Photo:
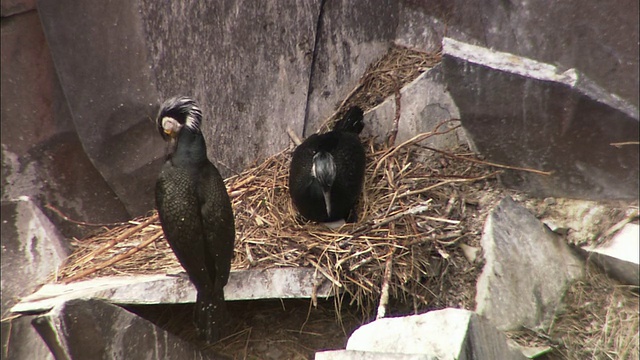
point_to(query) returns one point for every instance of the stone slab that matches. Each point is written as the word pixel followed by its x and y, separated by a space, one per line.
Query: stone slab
pixel 20 341
pixel 368 355
pixel 425 103
pixel 276 283
pixel 620 256
pixel 32 249
pixel 446 334
pixel 527 269
pixel 524 113
pixel 94 329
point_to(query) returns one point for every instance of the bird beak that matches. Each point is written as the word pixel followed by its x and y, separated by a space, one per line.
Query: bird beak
pixel 327 201
pixel 170 132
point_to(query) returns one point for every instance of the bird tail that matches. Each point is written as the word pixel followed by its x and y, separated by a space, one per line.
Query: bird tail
pixel 209 315
pixel 351 121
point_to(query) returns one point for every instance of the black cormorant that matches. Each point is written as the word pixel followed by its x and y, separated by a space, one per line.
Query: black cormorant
pixel 327 171
pixel 195 212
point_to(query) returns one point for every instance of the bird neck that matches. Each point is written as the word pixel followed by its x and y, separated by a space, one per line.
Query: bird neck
pixel 190 148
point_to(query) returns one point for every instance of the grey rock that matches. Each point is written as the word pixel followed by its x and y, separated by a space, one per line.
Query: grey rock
pixel 524 113
pixel 32 249
pixel 424 105
pixel 442 334
pixel 41 155
pixel 94 329
pixel 527 269
pixel 368 355
pixel 619 256
pixel 20 341
pixel 349 38
pixel 599 39
pixel 103 65
pixel 276 283
pixel 15 7
pixel 247 62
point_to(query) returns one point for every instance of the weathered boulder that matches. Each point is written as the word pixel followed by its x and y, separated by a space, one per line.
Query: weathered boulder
pixel 619 257
pixel 32 249
pixel 94 329
pixel 41 155
pixel 523 113
pixel 20 341
pixel 599 39
pixel 527 269
pixel 442 334
pixel 368 355
pixel 425 104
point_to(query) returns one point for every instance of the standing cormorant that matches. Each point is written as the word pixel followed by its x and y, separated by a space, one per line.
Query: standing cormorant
pixel 195 212
pixel 327 170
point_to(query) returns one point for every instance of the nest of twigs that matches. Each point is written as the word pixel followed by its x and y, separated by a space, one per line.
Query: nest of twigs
pixel 412 217
pixel 411 221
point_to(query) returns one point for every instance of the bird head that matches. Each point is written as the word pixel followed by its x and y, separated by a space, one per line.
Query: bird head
pixel 324 171
pixel 176 113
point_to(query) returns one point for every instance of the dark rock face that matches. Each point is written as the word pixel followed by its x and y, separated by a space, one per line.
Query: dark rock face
pixel 94 329
pixel 524 113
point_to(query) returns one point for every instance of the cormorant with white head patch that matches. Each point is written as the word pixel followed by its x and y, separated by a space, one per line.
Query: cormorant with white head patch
pixel 195 212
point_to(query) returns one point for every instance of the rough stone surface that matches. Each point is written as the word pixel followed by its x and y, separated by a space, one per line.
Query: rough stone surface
pixel 20 341
pixel 349 39
pixel 32 249
pixel 442 334
pixel 524 113
pixel 276 283
pixel 368 355
pixel 527 269
pixel 41 154
pixel 14 7
pixel 112 96
pixel 248 63
pixel 599 39
pixel 425 103
pixel 94 329
pixel 620 255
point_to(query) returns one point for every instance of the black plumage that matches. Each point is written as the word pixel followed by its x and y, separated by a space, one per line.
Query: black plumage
pixel 327 171
pixel 195 212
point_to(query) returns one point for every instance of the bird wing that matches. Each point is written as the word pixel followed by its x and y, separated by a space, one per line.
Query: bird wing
pixel 218 224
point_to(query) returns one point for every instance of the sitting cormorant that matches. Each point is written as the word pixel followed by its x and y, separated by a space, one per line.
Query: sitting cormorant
pixel 327 170
pixel 195 212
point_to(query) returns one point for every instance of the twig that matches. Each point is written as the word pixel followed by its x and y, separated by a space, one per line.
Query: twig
pixel 113 242
pixel 621 144
pixel 396 119
pixel 384 291
pixel 296 140
pixel 446 153
pixel 326 274
pixel 420 191
pixel 114 259
pixel 83 223
pixel 615 228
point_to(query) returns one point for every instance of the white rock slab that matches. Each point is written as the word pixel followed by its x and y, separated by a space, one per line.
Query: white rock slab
pixel 527 269
pixel 444 334
pixel 273 283
pixel 368 355
pixel 620 256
